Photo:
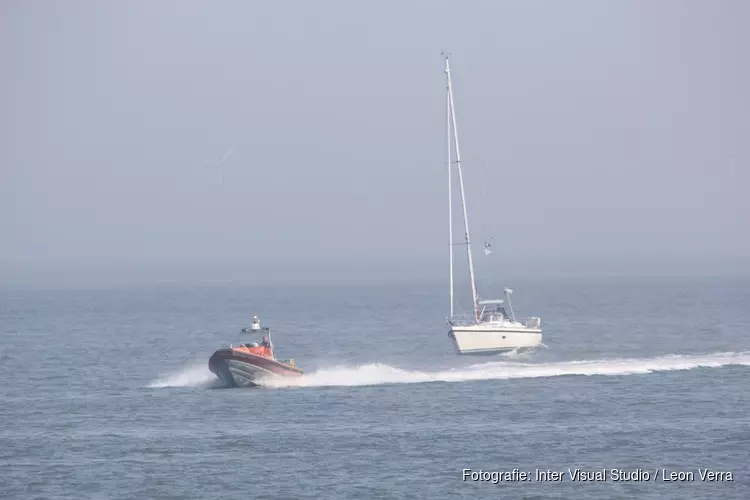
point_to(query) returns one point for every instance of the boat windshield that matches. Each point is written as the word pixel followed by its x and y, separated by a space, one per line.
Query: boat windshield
pixel 496 314
pixel 265 342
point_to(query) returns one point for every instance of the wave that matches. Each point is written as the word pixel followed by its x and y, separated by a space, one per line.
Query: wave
pixel 196 375
pixel 380 374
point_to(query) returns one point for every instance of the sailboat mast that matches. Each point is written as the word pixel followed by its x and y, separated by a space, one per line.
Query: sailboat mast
pixel 450 189
pixel 463 198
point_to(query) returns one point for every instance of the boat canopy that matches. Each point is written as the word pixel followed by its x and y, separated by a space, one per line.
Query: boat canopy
pixel 490 302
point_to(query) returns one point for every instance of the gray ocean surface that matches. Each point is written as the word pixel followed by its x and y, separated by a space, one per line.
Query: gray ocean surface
pixel 107 393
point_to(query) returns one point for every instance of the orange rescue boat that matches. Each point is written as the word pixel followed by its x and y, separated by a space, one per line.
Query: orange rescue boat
pixel 245 365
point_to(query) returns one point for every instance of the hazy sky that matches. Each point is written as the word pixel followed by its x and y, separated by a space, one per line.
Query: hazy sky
pixel 591 132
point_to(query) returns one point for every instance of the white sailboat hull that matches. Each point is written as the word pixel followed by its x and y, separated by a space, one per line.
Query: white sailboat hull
pixel 485 339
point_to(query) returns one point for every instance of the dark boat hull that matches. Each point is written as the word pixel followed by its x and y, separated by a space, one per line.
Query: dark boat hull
pixel 241 369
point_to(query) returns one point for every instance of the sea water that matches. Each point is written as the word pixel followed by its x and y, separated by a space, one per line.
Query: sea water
pixel 106 393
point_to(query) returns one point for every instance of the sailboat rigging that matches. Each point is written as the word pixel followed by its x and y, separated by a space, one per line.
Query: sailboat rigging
pixel 490 329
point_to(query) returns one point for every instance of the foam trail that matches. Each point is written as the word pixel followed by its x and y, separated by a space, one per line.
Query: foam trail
pixel 196 375
pixel 379 374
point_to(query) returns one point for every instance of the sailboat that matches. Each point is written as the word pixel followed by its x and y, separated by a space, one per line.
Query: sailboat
pixel 490 328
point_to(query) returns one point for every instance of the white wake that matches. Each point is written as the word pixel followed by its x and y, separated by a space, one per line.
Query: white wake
pixel 196 375
pixel 379 374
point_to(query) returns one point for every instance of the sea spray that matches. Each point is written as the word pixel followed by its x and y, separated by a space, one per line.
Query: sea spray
pixel 195 375
pixel 198 375
pixel 380 374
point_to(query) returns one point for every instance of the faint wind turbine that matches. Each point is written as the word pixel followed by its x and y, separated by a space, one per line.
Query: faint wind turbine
pixel 222 160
